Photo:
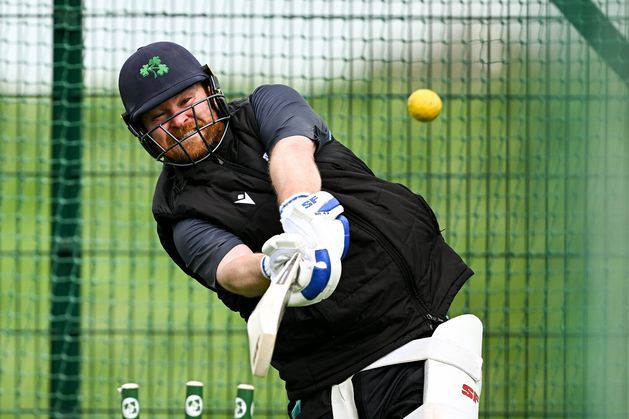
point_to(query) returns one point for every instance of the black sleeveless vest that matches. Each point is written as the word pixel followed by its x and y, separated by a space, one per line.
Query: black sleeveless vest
pixel 399 277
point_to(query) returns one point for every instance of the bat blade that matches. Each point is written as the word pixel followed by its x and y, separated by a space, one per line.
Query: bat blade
pixel 265 319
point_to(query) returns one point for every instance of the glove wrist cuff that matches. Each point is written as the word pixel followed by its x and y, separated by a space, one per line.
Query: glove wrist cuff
pixel 292 199
pixel 264 267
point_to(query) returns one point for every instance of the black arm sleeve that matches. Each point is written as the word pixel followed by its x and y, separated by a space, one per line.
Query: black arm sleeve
pixel 282 112
pixel 202 246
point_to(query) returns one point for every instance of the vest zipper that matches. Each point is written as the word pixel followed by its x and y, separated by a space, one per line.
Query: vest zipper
pixel 433 319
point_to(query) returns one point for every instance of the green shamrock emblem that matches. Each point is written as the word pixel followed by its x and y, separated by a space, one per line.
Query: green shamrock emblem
pixel 155 67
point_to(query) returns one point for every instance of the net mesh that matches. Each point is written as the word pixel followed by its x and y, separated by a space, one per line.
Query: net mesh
pixel 527 169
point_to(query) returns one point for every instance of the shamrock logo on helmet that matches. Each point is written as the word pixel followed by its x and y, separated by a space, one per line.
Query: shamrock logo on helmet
pixel 155 67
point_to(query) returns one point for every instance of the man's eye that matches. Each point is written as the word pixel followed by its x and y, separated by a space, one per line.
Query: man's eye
pixel 186 100
pixel 158 117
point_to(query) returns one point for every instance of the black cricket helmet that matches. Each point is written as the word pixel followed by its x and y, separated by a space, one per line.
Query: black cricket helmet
pixel 155 73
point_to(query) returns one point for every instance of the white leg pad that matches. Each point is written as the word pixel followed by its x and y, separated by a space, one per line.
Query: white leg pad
pixel 449 391
pixel 452 372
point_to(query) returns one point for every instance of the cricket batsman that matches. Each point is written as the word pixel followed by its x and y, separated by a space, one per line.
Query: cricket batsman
pixel 248 183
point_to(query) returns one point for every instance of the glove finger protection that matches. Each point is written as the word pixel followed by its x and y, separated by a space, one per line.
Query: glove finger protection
pixel 278 250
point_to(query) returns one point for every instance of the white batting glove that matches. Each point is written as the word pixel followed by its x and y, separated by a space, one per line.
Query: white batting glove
pixel 277 251
pixel 313 280
pixel 318 219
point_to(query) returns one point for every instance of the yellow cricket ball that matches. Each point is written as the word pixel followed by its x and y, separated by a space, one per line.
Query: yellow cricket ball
pixel 424 105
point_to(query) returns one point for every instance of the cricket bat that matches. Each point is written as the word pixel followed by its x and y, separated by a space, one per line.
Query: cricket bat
pixel 265 319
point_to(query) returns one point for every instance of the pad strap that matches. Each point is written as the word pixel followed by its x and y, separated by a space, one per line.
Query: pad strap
pixel 439 349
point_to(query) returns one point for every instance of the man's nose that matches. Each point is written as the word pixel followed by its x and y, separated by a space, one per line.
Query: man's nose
pixel 181 118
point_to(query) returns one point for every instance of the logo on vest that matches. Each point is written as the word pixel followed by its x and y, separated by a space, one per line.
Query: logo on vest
pixel 244 198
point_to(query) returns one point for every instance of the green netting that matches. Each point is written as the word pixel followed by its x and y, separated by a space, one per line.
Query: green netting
pixel 527 168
